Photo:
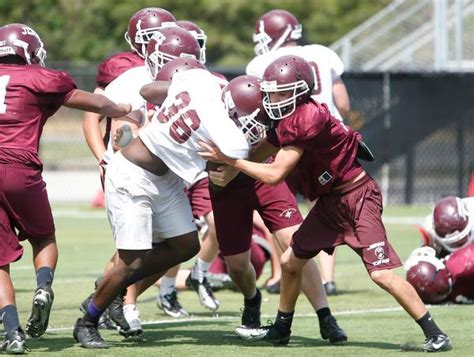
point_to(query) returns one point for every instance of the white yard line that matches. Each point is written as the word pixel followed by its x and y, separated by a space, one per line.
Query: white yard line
pixel 237 318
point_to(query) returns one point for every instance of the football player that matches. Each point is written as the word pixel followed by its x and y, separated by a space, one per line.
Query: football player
pixel 29 95
pixel 276 34
pixel 233 211
pixel 147 208
pixel 450 226
pixel 450 279
pixel 167 43
pixel 141 27
pixel 322 153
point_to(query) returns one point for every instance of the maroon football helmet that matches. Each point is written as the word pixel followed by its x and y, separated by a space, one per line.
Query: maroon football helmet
pixel 21 40
pixel 143 24
pixel 178 65
pixel 432 283
pixel 451 223
pixel 275 28
pixel 287 73
pixel 243 100
pixel 198 34
pixel 167 44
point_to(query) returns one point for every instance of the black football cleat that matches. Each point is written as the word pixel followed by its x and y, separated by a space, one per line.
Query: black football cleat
pixel 437 343
pixel 40 310
pixel 251 315
pixel 14 342
pixel 204 291
pixel 115 312
pixel 87 334
pixel 331 331
pixel 264 333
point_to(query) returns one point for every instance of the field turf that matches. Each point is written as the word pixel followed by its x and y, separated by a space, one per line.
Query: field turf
pixel 375 324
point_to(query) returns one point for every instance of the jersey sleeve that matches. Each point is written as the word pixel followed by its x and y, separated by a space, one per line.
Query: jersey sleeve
pixel 54 88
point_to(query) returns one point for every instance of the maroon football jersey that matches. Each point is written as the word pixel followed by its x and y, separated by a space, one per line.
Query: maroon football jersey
pixel 29 95
pixel 460 264
pixel 115 65
pixel 330 148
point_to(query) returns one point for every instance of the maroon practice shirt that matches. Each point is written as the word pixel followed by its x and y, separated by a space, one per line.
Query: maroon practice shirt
pixel 115 65
pixel 460 265
pixel 330 148
pixel 29 95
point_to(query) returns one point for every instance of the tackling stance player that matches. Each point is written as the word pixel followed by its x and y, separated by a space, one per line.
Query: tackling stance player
pixel 311 144
pixel 29 95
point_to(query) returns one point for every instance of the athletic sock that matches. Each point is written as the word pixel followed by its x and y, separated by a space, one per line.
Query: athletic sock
pixel 283 322
pixel 93 313
pixel 44 276
pixel 200 269
pixel 255 301
pixel 9 315
pixel 167 285
pixel 323 313
pixel 428 326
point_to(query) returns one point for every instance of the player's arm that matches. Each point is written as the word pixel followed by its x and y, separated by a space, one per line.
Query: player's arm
pixel 272 173
pixel 92 132
pixel 341 97
pixel 155 92
pixel 223 174
pixel 97 103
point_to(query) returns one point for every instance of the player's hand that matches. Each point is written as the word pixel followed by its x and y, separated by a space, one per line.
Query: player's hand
pixel 222 175
pixel 122 136
pixel 127 108
pixel 212 153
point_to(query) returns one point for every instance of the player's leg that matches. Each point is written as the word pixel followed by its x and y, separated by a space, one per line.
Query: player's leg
pixel 380 259
pixel 27 201
pixel 14 340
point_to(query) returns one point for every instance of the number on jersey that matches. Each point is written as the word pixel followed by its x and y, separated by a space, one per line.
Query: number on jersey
pixel 185 121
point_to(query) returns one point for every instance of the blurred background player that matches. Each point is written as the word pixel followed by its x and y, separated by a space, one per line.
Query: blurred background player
pixel 449 226
pixel 450 279
pixel 30 95
pixel 276 34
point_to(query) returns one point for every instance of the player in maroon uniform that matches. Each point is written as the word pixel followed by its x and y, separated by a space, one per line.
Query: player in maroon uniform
pixel 29 95
pixel 233 211
pixel 322 153
pixel 141 27
pixel 450 279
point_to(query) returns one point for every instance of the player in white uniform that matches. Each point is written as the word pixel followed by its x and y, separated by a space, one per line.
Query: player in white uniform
pixel 150 215
pixel 276 35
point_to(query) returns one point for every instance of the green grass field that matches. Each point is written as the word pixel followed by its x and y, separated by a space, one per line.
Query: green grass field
pixel 376 326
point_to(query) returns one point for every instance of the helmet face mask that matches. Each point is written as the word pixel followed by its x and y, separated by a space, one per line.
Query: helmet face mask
pixel 290 74
pixel 243 101
pixel 286 107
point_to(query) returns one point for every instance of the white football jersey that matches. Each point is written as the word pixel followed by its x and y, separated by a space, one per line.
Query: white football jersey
pixel 327 66
pixel 192 112
pixel 126 89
